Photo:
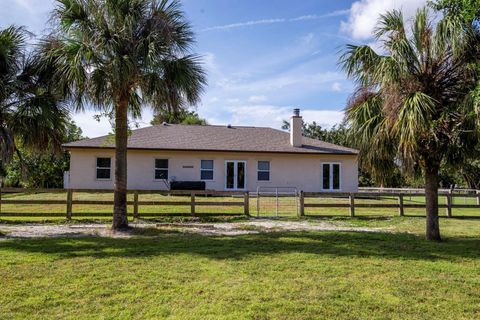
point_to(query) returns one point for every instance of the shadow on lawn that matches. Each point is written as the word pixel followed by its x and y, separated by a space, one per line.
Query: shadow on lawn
pixel 159 243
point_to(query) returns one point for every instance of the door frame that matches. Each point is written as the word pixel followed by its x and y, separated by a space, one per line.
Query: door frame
pixel 331 163
pixel 235 174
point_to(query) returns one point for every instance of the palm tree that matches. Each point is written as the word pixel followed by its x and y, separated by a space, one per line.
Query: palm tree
pixel 413 104
pixel 119 55
pixel 31 110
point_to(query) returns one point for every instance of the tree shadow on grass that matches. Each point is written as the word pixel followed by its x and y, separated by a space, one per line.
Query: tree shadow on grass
pixel 335 244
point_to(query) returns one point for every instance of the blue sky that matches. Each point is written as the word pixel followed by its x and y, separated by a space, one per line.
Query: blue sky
pixel 263 58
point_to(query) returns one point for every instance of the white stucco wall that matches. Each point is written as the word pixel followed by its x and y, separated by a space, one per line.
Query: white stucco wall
pixel 302 171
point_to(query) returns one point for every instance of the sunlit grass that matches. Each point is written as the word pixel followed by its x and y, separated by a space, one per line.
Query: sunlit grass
pixel 297 275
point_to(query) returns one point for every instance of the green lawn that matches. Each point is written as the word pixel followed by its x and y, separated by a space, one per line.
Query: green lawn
pixel 298 275
pixel 267 206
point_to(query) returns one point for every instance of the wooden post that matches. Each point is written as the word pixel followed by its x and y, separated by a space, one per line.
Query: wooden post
pixel 478 197
pixel 192 204
pixel 401 210
pixel 135 205
pixel 302 204
pixel 246 204
pixel 352 205
pixel 69 203
pixel 449 204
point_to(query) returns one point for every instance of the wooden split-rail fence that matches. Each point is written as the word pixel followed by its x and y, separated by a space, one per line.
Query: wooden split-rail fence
pixel 239 199
pixel 400 205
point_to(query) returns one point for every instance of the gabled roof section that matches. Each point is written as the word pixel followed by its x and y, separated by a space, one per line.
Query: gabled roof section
pixel 213 138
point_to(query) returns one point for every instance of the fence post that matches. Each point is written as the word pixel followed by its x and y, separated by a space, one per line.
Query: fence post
pixel 276 202
pixel 449 204
pixel 246 204
pixel 69 203
pixel 192 204
pixel 135 205
pixel 478 197
pixel 401 211
pixel 352 205
pixel 302 204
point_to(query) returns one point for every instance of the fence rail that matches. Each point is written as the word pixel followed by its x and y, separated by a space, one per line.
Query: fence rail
pixel 69 201
pixel 400 205
pixel 352 201
pixel 414 191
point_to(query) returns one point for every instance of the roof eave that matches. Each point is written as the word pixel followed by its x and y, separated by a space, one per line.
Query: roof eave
pixel 353 152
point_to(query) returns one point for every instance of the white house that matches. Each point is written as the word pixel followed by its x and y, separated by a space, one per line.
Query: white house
pixel 224 157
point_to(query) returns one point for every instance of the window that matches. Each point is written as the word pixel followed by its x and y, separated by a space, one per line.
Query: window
pixel 161 169
pixel 206 170
pixel 263 171
pixel 104 166
pixel 331 176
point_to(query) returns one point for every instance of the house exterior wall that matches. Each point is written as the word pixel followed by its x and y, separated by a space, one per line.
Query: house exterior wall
pixel 302 171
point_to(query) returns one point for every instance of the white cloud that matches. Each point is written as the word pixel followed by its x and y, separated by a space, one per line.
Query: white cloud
pixel 273 116
pixel 93 128
pixel 90 126
pixel 307 39
pixel 336 86
pixel 307 81
pixel 257 99
pixel 275 20
pixel 364 15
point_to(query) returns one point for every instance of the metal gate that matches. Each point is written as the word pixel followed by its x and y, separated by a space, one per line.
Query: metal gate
pixel 277 201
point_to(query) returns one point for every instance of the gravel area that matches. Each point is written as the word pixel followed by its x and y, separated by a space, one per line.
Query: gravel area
pixel 210 229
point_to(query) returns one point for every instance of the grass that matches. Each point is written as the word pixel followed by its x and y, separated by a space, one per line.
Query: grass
pixel 267 207
pixel 298 275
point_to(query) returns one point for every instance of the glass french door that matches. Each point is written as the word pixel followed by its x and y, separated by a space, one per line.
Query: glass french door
pixel 235 173
pixel 331 173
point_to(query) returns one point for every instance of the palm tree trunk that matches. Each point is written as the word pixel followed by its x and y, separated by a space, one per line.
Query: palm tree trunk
pixel 431 198
pixel 120 220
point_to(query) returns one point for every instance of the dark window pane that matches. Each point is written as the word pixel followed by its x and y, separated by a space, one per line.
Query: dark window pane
pixel 103 173
pixel 103 162
pixel 241 175
pixel 326 176
pixel 230 174
pixel 336 176
pixel 264 165
pixel 161 174
pixel 161 163
pixel 207 164
pixel 206 175
pixel 263 176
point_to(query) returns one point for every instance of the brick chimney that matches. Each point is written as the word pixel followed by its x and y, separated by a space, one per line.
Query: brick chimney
pixel 296 124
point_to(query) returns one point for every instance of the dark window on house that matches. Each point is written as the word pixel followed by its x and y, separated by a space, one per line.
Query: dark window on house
pixel 336 176
pixel 161 169
pixel 206 170
pixel 263 171
pixel 326 176
pixel 104 166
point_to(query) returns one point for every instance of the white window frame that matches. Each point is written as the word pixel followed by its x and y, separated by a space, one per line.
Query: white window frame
pixel 269 170
pixel 97 167
pixel 213 169
pixel 155 168
pixel 235 175
pixel 331 176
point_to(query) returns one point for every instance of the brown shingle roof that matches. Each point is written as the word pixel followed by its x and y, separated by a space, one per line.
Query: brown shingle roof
pixel 214 138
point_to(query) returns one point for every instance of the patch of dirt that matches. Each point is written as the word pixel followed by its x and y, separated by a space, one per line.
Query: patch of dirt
pixel 253 226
